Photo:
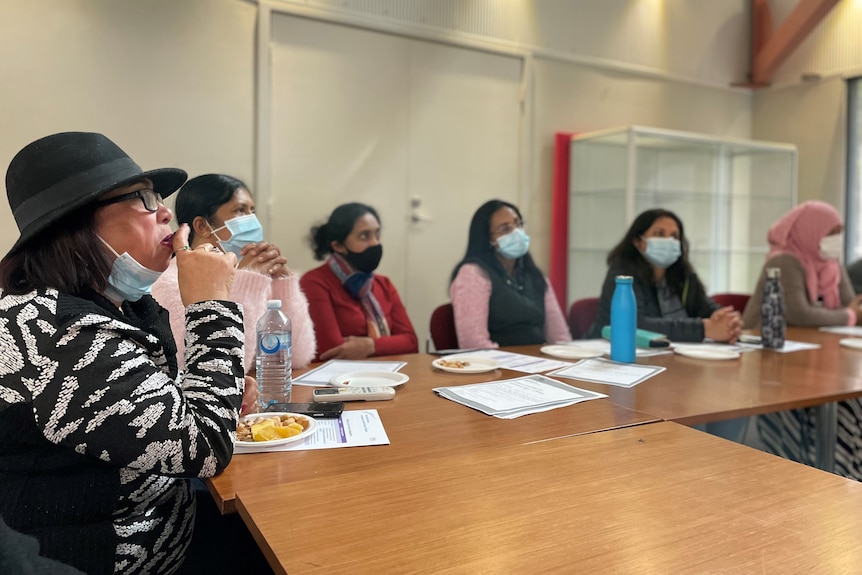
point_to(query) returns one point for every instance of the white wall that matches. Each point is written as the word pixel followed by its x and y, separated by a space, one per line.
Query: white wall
pixel 173 82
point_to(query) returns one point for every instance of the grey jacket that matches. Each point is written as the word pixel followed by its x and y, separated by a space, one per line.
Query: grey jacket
pixel 799 310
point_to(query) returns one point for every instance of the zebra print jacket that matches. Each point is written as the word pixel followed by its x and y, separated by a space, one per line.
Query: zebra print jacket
pixel 99 432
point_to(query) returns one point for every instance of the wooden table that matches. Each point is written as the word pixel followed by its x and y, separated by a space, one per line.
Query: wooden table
pixel 693 391
pixel 421 426
pixel 657 498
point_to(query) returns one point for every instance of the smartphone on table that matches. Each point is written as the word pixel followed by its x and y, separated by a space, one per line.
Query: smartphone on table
pixel 310 409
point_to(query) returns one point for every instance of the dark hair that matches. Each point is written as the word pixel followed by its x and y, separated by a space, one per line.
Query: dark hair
pixel 481 250
pixel 203 196
pixel 337 228
pixel 626 252
pixel 67 256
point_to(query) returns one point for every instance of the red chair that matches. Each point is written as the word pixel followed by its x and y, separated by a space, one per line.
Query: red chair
pixel 443 328
pixel 737 300
pixel 582 314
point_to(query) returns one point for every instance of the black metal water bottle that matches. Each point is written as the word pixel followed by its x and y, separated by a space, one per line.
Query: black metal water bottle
pixel 773 326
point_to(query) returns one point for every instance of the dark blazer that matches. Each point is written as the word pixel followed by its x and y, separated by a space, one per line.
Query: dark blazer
pixel 697 305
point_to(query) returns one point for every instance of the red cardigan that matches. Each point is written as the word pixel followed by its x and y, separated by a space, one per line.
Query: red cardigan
pixel 336 314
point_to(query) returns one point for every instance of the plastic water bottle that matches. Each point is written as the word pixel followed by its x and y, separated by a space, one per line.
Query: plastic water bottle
pixel 773 326
pixel 624 316
pixel 274 356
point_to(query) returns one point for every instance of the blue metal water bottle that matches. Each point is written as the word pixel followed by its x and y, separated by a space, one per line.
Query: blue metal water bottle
pixel 624 316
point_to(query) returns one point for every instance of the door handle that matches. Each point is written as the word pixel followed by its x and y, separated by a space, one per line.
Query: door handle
pixel 416 217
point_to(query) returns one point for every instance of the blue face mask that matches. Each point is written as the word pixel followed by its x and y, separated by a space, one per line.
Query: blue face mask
pixel 513 245
pixel 243 230
pixel 662 252
pixel 129 280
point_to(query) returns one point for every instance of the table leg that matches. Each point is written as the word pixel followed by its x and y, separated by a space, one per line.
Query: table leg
pixel 827 433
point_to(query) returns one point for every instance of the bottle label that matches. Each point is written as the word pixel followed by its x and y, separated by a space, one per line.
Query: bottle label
pixel 271 343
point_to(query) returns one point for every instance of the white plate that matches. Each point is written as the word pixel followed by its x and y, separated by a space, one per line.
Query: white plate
pixel 852 342
pixel 312 427
pixel 474 363
pixel 697 352
pixel 570 351
pixel 369 379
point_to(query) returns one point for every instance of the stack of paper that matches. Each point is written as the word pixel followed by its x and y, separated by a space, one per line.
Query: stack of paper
pixel 601 370
pixel 511 398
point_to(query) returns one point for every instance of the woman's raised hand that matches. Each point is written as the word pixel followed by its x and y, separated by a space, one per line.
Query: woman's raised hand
pixel 203 273
pixel 264 258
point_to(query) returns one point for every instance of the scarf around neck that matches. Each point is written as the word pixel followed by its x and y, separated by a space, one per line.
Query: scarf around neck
pixel 358 285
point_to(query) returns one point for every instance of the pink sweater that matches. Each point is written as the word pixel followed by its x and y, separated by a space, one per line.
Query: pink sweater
pixel 250 290
pixel 470 293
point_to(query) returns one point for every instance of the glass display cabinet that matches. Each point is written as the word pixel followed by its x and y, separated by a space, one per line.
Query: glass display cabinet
pixel 726 192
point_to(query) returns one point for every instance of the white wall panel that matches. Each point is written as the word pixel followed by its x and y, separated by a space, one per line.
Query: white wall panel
pixel 702 40
pixel 171 82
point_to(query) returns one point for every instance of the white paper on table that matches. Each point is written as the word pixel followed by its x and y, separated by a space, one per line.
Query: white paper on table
pixel 352 429
pixel 601 370
pixel 742 348
pixel 519 361
pixel 844 330
pixel 515 397
pixel 604 346
pixel 789 346
pixel 322 374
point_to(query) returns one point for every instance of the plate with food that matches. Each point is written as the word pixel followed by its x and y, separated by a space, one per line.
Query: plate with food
pixel 465 364
pixel 705 352
pixel 369 379
pixel 570 351
pixel 261 430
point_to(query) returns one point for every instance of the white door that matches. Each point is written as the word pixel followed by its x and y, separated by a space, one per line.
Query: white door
pixel 412 128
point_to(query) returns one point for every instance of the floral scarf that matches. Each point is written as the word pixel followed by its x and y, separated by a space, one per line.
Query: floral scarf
pixel 358 284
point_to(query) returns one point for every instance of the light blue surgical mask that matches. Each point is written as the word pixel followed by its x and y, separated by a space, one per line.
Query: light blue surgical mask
pixel 662 252
pixel 129 280
pixel 513 245
pixel 243 230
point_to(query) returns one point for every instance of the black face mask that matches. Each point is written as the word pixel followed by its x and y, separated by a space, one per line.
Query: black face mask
pixel 366 261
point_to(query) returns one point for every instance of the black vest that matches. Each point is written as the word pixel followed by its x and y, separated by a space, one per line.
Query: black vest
pixel 516 311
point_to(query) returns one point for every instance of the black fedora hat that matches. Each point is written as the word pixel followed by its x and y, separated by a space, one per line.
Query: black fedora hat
pixel 55 175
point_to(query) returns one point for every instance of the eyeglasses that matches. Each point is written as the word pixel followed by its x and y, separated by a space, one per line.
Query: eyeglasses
pixel 508 228
pixel 149 198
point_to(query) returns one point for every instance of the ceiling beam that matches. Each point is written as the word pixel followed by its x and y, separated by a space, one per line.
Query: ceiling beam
pixel 769 49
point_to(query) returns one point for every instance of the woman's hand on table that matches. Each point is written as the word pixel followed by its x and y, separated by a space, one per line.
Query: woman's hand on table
pixel 249 397
pixel 352 348
pixel 724 324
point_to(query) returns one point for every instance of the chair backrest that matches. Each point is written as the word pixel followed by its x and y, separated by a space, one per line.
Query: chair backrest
pixel 737 300
pixel 443 327
pixel 582 314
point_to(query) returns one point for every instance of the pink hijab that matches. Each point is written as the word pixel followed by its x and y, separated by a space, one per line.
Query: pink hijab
pixel 798 233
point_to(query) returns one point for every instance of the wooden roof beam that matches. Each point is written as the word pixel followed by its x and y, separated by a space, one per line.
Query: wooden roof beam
pixel 770 49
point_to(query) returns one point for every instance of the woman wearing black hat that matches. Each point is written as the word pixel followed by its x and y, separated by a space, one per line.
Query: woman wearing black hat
pixel 100 434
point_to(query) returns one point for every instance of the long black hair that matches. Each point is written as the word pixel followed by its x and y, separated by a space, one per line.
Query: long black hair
pixel 203 196
pixel 480 249
pixel 67 256
pixel 337 227
pixel 625 252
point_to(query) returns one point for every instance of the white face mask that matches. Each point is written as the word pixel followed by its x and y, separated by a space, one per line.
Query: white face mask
pixel 129 280
pixel 832 247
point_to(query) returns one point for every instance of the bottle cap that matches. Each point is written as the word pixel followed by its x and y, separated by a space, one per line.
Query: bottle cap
pixel 773 273
pixel 273 304
pixel 624 279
